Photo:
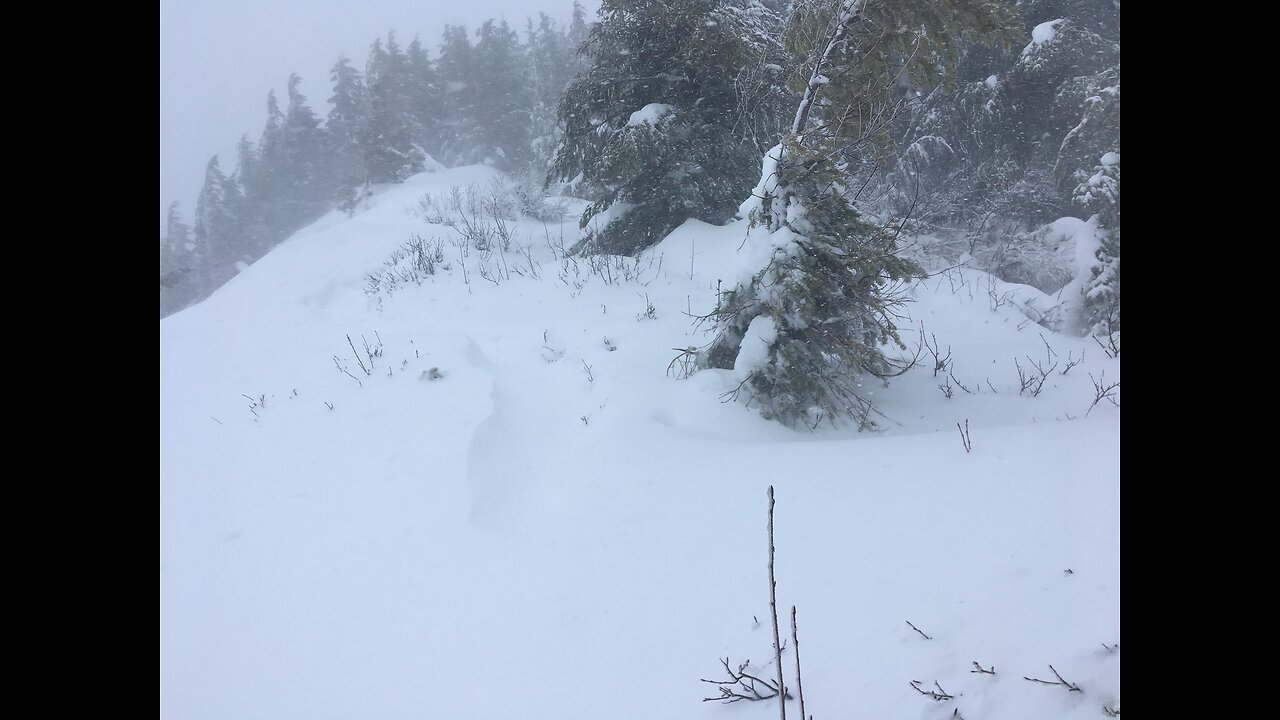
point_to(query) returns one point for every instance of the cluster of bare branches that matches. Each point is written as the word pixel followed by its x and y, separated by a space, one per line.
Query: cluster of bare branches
pixel 965 437
pixel 940 360
pixel 683 364
pixel 1071 687
pixel 366 363
pixel 938 695
pixel 1111 347
pixel 1103 391
pixel 742 685
pixel 482 218
pixel 255 404
pixel 1033 382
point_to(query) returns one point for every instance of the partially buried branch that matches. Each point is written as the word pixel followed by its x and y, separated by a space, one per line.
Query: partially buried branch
pixel 773 608
pixel 742 685
pixel 1071 687
pixel 795 643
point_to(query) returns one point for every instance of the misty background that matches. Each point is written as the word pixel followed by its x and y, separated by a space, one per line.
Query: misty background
pixel 218 60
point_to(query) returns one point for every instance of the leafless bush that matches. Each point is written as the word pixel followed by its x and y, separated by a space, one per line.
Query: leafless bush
pixel 1103 391
pixel 939 360
pixel 742 685
pixel 1112 346
pixel 1031 383
pixel 412 262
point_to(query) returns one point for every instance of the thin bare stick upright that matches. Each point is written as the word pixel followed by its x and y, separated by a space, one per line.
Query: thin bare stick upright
pixel 773 607
pixel 795 646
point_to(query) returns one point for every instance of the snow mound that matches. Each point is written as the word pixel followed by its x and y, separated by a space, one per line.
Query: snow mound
pixel 650 114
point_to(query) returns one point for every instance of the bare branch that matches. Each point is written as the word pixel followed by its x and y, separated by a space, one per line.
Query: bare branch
pixel 1069 686
pixel 795 642
pixel 742 685
pixel 1102 391
pixel 939 695
pixel 773 607
pixel 913 627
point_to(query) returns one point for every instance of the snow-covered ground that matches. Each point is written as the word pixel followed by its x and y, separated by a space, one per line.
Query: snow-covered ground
pixel 558 526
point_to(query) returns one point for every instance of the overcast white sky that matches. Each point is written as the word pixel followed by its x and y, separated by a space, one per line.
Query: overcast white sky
pixel 219 59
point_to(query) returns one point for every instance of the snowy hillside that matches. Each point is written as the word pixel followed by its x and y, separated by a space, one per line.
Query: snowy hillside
pixel 493 494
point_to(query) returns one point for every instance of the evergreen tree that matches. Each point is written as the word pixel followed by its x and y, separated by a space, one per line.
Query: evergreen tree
pixel 1099 193
pixel 178 265
pixel 255 214
pixel 392 151
pixel 655 121
pixel 579 31
pixel 989 166
pixel 304 190
pixel 805 329
pixel 346 128
pixel 551 66
pixel 216 230
pixel 421 88
pixel 458 87
pixel 502 99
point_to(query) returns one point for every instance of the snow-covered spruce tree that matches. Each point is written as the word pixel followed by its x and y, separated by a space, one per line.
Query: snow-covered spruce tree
pixel 346 125
pixel 421 87
pixel 552 64
pixel 216 232
pixel 1088 169
pixel 807 327
pixel 1100 192
pixel 178 264
pixel 391 149
pixel 503 97
pixel 298 167
pixel 991 166
pixel 655 121
pixel 457 74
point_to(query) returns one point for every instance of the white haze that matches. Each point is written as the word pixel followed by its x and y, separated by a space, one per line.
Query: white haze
pixel 218 60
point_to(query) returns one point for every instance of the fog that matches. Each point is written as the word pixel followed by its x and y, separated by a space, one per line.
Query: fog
pixel 218 60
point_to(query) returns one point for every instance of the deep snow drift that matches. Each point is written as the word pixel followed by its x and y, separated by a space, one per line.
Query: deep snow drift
pixel 522 512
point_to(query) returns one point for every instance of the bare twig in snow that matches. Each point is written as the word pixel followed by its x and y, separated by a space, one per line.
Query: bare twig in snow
pixel 742 685
pixel 939 695
pixel 964 438
pixel 1103 391
pixel 951 373
pixel 939 360
pixel 773 608
pixel 1071 687
pixel 1072 363
pixel 985 671
pixel 913 627
pixel 795 643
pixel 1112 348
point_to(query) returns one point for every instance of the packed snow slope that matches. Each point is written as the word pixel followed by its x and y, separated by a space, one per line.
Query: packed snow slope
pixel 523 511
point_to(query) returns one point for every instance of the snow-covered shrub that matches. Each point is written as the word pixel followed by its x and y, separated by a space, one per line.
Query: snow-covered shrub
pixel 412 262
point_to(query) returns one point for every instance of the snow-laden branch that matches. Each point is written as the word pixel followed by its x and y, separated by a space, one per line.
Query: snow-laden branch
pixel 850 10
